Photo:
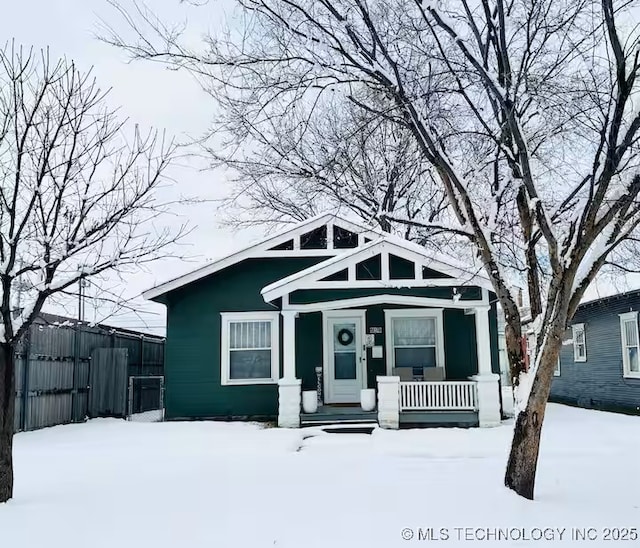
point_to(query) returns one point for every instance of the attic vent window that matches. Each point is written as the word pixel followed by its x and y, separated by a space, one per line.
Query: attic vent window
pixel 284 246
pixel 369 269
pixel 400 268
pixel 316 239
pixel 344 239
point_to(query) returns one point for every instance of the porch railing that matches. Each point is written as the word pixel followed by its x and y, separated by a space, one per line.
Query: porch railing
pixel 438 396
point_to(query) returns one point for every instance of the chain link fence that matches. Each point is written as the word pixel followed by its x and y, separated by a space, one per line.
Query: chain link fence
pixel 146 399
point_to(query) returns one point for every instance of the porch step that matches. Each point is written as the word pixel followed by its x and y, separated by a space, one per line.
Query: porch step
pixel 338 415
pixel 363 428
pixel 329 420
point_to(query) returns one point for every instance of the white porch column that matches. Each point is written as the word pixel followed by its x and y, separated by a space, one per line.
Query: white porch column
pixel 389 402
pixel 289 394
pixel 289 344
pixel 486 381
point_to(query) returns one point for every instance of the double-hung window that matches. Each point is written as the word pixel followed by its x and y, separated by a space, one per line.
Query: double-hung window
pixel 579 343
pixel 249 348
pixel 629 334
pixel 414 339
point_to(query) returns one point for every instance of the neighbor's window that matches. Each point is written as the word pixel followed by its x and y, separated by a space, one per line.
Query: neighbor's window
pixel 579 343
pixel 249 344
pixel 414 342
pixel 629 334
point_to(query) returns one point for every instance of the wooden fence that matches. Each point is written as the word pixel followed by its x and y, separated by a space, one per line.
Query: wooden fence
pixel 68 372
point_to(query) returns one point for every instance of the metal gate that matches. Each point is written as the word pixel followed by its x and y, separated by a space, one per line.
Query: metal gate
pixel 108 382
pixel 146 398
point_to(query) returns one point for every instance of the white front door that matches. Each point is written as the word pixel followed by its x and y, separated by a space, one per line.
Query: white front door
pixel 345 368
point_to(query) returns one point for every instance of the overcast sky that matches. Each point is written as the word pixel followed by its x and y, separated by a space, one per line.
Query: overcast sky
pixel 151 96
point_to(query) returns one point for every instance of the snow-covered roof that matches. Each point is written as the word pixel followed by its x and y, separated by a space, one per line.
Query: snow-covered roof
pixel 605 287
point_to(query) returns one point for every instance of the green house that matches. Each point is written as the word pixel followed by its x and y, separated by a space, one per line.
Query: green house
pixel 331 321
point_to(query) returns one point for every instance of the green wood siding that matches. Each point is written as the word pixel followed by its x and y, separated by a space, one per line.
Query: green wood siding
pixel 308 348
pixel 192 363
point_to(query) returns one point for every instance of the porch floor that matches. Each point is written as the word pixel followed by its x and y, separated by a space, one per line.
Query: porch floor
pixel 332 414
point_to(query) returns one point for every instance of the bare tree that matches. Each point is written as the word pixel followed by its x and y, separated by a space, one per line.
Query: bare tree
pixel 76 200
pixel 334 156
pixel 535 141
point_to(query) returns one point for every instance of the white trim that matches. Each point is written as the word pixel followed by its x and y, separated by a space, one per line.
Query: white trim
pixel 557 372
pixel 289 344
pixel 385 274
pixel 626 366
pixel 576 329
pixel 327 315
pixel 344 313
pixel 262 249
pixel 390 314
pixel 225 319
pixel 385 299
pixel 382 284
pixel 382 246
pixel 483 338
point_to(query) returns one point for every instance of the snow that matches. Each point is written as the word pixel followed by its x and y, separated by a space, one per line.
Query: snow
pixel 110 483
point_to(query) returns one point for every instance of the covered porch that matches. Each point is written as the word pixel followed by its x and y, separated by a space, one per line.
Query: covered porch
pixel 412 332
pixel 421 403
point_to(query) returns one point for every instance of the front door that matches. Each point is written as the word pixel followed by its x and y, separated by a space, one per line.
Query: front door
pixel 344 364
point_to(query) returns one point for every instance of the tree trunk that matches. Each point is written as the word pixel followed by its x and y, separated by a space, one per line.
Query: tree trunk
pixel 523 460
pixel 7 410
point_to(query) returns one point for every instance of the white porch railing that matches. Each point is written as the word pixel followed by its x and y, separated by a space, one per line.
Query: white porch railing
pixel 438 396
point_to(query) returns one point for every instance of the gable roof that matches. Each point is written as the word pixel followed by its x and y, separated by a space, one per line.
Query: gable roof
pixel 263 248
pixel 308 278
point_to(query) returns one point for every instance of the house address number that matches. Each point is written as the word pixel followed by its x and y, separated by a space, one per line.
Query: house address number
pixel 375 330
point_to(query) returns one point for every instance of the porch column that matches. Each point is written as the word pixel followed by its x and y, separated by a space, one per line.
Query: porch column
pixel 487 385
pixel 289 395
pixel 289 344
pixel 389 402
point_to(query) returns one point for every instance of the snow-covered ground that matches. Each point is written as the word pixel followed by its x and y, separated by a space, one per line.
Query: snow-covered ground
pixel 118 484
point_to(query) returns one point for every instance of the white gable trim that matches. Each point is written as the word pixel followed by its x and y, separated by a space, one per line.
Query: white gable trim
pixel 309 278
pixel 263 249
pixel 405 300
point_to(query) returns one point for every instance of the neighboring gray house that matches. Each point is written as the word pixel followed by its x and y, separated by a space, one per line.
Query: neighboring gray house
pixel 599 366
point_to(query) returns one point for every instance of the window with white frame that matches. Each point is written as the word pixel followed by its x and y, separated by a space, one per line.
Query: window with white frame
pixel 414 339
pixel 249 348
pixel 629 335
pixel 579 343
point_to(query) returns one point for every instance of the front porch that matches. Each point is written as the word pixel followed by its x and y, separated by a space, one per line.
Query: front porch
pixel 415 404
pixel 418 335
